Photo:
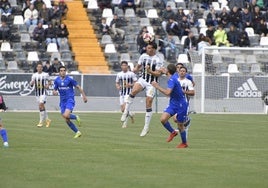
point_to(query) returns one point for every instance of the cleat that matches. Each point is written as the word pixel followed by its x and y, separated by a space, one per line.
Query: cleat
pixel 48 121
pixel 187 123
pixel 182 145
pixel 132 117
pixel 77 134
pixel 171 136
pixel 124 116
pixel 40 124
pixel 78 120
pixel 124 126
pixel 144 132
pixel 6 144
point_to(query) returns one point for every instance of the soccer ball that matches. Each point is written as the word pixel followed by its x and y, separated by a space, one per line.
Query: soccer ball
pixel 265 100
pixel 148 37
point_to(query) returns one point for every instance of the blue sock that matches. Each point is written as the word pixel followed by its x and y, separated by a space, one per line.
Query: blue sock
pixel 72 126
pixel 168 127
pixel 183 137
pixel 4 135
pixel 72 116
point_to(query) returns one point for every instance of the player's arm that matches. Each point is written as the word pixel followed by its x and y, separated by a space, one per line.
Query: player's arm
pixel 137 68
pixel 117 85
pixel 190 91
pixel 166 91
pixel 82 93
pixel 156 73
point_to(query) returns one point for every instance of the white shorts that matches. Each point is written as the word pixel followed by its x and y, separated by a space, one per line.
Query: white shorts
pixel 123 99
pixel 149 89
pixel 41 99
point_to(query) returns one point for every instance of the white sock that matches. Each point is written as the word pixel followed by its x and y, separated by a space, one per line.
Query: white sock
pixel 148 116
pixel 42 116
pixel 128 104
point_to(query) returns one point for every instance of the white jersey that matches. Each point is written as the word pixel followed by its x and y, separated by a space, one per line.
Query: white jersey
pixel 40 81
pixel 186 85
pixel 124 78
pixel 155 62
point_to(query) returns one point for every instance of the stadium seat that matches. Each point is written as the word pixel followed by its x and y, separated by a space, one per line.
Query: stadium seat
pixel 244 68
pixel 148 4
pixel 66 57
pixel 198 68
pixel 106 39
pixel 25 38
pixel 152 13
pixel 2 66
pixel 112 58
pixel 18 20
pixel 255 68
pixel 216 59
pixel 133 48
pixel 130 39
pixel 12 66
pixel 109 48
pixel 232 68
pixel 107 12
pixel 250 31
pixel 172 4
pixel 239 59
pixel 52 47
pixel 264 41
pixel 55 55
pixel 6 47
pixel 124 57
pixel 202 22
pixel 144 22
pixel 203 30
pixel 183 58
pixel 221 68
pixel 21 56
pixel 130 13
pixel 32 56
pixel 92 4
pixel 251 59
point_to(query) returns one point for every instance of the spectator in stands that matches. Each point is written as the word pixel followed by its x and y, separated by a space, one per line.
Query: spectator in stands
pixel 5 9
pixel 62 33
pixel 190 42
pixel 220 37
pixel 128 4
pixel 192 18
pixel 262 28
pixel 47 68
pixel 140 42
pixel 240 4
pixel 38 4
pixel 63 9
pixel 115 25
pixel 104 4
pixel 26 4
pixel 210 33
pixel 256 18
pixel 243 40
pixel 31 16
pixel 55 16
pixel 202 42
pixel 172 27
pixel 50 34
pixel 233 35
pixel 223 17
pixel 104 28
pixel 166 14
pixel 39 33
pixel 235 18
pixel 180 14
pixel 212 17
pixel 44 14
pixel 251 5
pixel 184 26
pixel 5 32
pixel 55 66
pixel 171 50
pixel 246 18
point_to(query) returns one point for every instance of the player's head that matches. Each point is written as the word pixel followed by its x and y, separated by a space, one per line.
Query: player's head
pixel 178 66
pixel 151 48
pixel 62 71
pixel 124 66
pixel 182 72
pixel 39 67
pixel 171 69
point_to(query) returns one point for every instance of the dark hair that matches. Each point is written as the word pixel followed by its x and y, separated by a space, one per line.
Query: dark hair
pixel 124 62
pixel 171 68
pixel 180 64
pixel 153 44
pixel 62 67
pixel 183 68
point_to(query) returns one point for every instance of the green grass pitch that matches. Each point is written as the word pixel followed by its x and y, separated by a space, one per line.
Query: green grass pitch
pixel 224 151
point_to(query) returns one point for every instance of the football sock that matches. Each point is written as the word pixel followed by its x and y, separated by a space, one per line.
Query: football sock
pixel 148 116
pixel 42 115
pixel 72 126
pixel 4 135
pixel 72 116
pixel 183 137
pixel 125 122
pixel 167 125
pixel 128 103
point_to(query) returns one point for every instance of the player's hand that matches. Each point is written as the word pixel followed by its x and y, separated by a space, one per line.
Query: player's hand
pixel 155 84
pixel 85 99
pixel 55 92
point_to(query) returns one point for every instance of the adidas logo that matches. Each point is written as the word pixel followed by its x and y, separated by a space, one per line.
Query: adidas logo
pixel 248 90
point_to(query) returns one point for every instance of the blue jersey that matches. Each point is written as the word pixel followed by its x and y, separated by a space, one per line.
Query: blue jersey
pixel 65 88
pixel 177 96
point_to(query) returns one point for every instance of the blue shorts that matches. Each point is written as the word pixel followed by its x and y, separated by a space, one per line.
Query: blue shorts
pixel 67 105
pixel 181 111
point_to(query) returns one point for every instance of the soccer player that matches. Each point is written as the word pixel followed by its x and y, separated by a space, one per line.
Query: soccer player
pixel 150 65
pixel 188 76
pixel 177 104
pixel 64 86
pixel 124 82
pixel 3 133
pixel 40 81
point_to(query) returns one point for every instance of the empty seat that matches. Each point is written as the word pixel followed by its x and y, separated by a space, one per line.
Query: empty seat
pixel 124 57
pixel 183 58
pixel 17 46
pixel 198 68
pixel 255 68
pixel 6 47
pixel 2 66
pixel 244 68
pixel 130 13
pixel 55 55
pixel 264 41
pixel 106 39
pixel 12 66
pixel 202 22
pixel 239 59
pixel 232 68
pixel 251 59
pixel 66 56
pixel 109 48
pixel 52 47
pixel 152 13
pixel 250 31
pixel 129 39
pixel 92 4
pixel 107 12
pixel 216 59
pixel 25 37
pixel 21 56
pixel 145 22
pixel 32 56
pixel 18 20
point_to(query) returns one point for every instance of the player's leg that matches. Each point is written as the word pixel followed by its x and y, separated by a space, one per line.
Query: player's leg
pixel 3 134
pixel 41 107
pixel 164 120
pixel 181 119
pixel 123 99
pixel 138 87
pixel 45 114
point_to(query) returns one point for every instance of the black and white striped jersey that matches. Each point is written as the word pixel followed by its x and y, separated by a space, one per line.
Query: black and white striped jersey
pixel 124 78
